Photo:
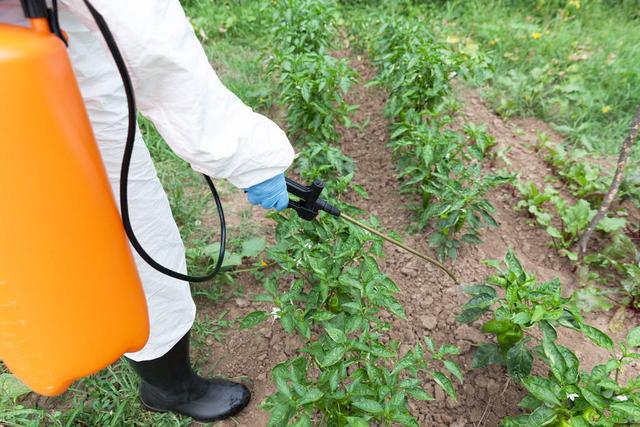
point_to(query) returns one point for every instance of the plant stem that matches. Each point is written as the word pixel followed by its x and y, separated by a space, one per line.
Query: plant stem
pixel 400 245
pixel 625 150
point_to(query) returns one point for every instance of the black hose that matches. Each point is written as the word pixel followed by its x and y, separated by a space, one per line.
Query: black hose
pixel 126 163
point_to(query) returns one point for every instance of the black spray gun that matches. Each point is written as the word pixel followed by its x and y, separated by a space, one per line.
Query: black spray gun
pixel 309 204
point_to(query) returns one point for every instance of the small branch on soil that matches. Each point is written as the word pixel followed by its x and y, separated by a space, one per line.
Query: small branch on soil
pixel 625 150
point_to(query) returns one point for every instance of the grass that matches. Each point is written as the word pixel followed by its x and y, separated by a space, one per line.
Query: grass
pixel 574 64
pixel 108 398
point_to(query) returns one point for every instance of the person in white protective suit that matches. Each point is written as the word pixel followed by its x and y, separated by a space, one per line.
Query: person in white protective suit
pixel 205 124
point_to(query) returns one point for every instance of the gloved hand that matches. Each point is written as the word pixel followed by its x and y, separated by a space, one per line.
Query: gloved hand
pixel 271 193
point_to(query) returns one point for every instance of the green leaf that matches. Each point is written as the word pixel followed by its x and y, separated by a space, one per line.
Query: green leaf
pixel 514 264
pixel 485 355
pixel 542 389
pixel 538 313
pixel 232 260
pixel 11 387
pixel 471 239
pixel 454 369
pixel 357 422
pixel 542 416
pixel 598 337
pixel 519 360
pixel 572 364
pixel 609 225
pixel 409 383
pixel 633 337
pixel 405 419
pixel 529 402
pixel 333 357
pixel 548 331
pixel 399 131
pixel 368 405
pixel 579 421
pixel 306 91
pixel 280 376
pixel 479 290
pixel 336 334
pixel 553 232
pixel 430 345
pixel 522 318
pixel 573 256
pixel 497 326
pixel 312 395
pixel 443 381
pixel 482 301
pixel 280 415
pixel 253 319
pixel 555 358
pixel 419 394
pixel 628 410
pixel 263 298
pixel 593 398
pixel 252 247
pixel 449 349
pixel 470 315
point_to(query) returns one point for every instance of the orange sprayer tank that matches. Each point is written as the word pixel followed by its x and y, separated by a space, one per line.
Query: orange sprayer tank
pixel 71 301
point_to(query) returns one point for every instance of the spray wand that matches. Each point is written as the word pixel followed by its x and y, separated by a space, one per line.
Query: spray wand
pixel 309 204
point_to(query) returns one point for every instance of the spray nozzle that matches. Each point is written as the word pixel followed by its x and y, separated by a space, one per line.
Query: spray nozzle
pixel 309 203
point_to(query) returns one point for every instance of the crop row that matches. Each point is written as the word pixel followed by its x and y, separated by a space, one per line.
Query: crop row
pixel 329 289
pixel 440 166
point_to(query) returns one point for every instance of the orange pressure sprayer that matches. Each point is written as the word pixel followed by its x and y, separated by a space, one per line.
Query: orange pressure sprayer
pixel 71 301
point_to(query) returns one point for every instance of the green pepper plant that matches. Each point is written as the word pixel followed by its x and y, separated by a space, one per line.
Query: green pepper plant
pixel 349 372
pixel 567 397
pixel 523 305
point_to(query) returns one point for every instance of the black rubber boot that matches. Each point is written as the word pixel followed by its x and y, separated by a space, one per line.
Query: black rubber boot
pixel 168 384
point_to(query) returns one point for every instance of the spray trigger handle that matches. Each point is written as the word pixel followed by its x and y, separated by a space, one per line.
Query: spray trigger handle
pixel 309 203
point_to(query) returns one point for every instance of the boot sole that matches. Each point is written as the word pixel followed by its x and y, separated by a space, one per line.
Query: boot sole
pixel 202 420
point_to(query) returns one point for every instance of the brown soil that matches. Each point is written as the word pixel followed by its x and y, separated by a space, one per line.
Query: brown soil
pixel 430 298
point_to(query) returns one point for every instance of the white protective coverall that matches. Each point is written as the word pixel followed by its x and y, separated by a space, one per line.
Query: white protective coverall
pixel 200 119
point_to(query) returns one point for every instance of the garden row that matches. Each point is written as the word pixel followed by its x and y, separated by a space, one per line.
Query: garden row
pixel 329 288
pixel 443 168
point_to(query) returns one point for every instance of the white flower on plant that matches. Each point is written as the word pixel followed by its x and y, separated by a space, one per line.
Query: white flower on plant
pixel 621 398
pixel 275 312
pixel 572 396
pixel 298 263
pixel 308 245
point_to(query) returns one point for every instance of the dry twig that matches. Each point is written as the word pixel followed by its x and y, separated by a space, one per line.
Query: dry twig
pixel 625 150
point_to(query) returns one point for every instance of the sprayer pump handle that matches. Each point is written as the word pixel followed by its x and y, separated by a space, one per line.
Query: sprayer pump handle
pixel 309 203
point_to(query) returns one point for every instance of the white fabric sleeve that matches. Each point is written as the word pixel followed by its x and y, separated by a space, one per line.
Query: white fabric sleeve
pixel 178 90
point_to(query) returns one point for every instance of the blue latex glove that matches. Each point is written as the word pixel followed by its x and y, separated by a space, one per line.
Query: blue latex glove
pixel 271 193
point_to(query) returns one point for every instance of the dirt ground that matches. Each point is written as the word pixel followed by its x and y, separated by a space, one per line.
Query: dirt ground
pixel 430 298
